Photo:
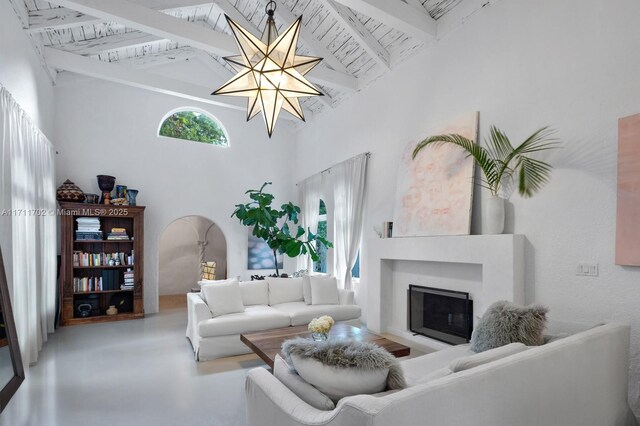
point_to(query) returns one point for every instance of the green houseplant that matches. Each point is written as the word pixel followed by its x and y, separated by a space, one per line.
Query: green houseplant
pixel 502 163
pixel 275 226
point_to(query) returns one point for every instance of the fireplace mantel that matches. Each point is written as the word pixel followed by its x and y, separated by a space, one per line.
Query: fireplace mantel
pixel 501 258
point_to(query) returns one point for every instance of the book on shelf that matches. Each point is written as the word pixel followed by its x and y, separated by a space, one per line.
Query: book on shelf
pixel 110 279
pixel 81 235
pixel 81 258
pixel 117 234
pixel 87 284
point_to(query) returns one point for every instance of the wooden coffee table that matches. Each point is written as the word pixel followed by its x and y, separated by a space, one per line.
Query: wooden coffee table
pixel 266 344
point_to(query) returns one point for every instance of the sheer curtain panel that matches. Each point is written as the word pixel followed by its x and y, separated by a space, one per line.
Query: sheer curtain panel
pixel 310 194
pixel 28 225
pixel 349 182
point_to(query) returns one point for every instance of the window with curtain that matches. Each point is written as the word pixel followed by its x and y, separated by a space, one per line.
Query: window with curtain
pixel 28 232
pixel 321 264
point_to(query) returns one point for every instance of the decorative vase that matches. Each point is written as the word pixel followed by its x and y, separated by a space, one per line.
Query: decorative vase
pixel 319 337
pixel 494 215
pixel 112 310
pixel 106 183
pixel 131 196
pixel 91 198
pixel 69 191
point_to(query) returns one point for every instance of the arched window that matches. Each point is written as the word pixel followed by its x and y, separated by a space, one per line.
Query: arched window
pixel 193 125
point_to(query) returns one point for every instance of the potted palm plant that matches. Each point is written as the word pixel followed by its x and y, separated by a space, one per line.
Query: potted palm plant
pixel 502 165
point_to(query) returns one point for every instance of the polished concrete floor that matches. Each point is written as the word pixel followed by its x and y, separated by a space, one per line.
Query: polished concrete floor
pixel 132 373
pixel 125 373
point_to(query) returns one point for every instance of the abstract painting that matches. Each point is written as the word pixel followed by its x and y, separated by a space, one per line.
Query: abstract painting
pixel 435 191
pixel 628 210
pixel 260 256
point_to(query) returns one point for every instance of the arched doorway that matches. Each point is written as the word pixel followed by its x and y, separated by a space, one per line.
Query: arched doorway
pixel 184 243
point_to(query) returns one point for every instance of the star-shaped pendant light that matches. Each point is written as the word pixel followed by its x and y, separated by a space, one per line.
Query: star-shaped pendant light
pixel 270 73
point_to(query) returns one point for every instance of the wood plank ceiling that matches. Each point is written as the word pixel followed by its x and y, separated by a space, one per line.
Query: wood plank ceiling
pixel 351 42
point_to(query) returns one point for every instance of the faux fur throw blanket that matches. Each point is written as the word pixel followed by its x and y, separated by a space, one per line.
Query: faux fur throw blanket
pixel 347 354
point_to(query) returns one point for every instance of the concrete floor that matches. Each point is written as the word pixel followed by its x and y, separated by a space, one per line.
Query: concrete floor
pixel 125 373
pixel 132 373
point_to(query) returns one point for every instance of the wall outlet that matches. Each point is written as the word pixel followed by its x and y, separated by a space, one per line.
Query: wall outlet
pixel 587 269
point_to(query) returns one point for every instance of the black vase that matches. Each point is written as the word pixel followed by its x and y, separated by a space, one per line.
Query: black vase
pixel 106 184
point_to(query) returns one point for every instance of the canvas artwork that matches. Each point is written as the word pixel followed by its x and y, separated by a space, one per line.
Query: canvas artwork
pixel 260 256
pixel 435 191
pixel 628 209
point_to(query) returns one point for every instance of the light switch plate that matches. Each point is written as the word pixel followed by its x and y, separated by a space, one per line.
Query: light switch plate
pixel 587 269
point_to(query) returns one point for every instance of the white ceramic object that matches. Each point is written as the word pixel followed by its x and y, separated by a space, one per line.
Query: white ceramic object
pixel 493 221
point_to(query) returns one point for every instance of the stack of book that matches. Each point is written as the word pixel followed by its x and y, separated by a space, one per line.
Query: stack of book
pixel 128 280
pixel 117 234
pixel 88 228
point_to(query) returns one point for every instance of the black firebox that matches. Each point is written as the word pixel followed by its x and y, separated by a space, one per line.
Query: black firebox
pixel 443 315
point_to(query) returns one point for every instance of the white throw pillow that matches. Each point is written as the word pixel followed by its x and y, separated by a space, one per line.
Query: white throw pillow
pixel 337 382
pixel 223 299
pixel 297 385
pixel 255 292
pixel 203 283
pixel 306 289
pixel 324 291
pixel 283 290
pixel 485 357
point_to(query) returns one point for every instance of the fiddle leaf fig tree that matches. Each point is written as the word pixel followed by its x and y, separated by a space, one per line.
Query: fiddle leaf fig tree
pixel 279 228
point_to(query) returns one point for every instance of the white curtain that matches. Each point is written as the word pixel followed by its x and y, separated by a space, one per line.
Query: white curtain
pixel 28 225
pixel 349 181
pixel 310 194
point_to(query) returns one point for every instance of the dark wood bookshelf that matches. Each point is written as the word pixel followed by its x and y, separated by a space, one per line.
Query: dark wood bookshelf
pixel 129 217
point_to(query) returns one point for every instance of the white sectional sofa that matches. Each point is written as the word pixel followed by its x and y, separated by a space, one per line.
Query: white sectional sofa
pixel 269 304
pixel 580 380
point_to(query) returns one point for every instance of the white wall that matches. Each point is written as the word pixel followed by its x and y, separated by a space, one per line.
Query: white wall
pixel 106 128
pixel 179 253
pixel 522 64
pixel 21 72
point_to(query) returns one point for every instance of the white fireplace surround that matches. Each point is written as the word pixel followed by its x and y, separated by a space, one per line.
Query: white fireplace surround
pixel 500 256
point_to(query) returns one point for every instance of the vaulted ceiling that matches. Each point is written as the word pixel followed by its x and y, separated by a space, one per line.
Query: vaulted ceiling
pixel 119 40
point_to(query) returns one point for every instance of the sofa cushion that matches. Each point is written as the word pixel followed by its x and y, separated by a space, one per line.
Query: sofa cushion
pixel 306 285
pixel 283 290
pixel 300 387
pixel 254 318
pixel 324 291
pixel 301 313
pixel 204 283
pixel 255 292
pixel 306 289
pixel 418 369
pixel 223 299
pixel 505 322
pixel 486 357
pixel 342 368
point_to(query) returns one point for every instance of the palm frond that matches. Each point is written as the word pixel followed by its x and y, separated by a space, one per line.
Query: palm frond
pixel 532 176
pixel 479 153
pixel 540 140
pixel 498 143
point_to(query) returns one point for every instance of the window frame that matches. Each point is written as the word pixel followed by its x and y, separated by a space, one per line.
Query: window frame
pixel 200 111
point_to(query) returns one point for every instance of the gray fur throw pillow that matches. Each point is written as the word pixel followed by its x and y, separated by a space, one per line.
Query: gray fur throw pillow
pixel 505 322
pixel 347 354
